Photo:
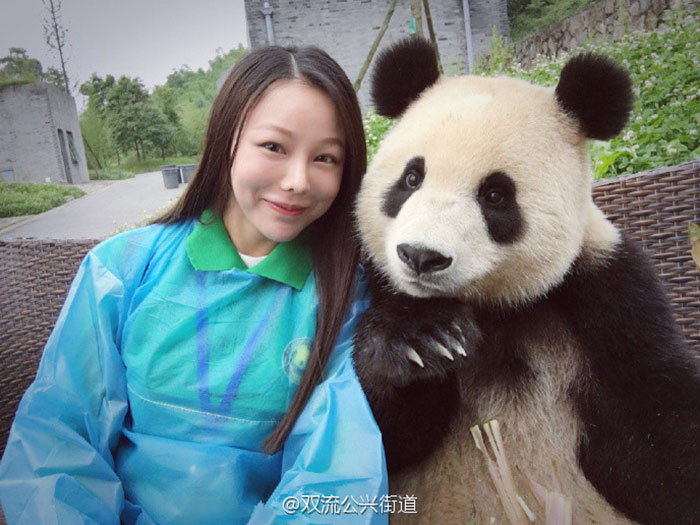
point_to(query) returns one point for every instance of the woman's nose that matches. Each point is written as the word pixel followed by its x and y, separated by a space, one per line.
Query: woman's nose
pixel 296 177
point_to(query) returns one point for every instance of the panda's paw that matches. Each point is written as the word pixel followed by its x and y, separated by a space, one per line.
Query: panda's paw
pixel 449 343
pixel 401 349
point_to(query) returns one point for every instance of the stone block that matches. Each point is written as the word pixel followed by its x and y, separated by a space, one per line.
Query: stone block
pixel 651 21
pixel 634 9
pixel 618 33
pixel 636 24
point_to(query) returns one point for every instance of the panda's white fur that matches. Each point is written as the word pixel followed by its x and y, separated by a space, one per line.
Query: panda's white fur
pixel 533 359
pixel 490 118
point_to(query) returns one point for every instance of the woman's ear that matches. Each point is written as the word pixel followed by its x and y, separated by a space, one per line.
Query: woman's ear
pixel 402 72
pixel 598 93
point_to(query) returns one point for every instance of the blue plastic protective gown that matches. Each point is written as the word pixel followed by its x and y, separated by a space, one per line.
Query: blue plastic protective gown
pixel 159 384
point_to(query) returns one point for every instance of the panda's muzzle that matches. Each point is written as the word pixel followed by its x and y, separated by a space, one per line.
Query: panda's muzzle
pixel 422 260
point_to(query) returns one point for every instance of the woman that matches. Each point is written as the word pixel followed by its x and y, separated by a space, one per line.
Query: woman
pixel 178 366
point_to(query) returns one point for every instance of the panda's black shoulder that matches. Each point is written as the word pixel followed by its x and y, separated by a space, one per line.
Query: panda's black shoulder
pixel 622 296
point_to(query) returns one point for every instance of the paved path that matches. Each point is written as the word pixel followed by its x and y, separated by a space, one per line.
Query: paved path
pixel 108 208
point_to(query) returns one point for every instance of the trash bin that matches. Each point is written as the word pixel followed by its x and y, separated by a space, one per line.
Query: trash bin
pixel 167 166
pixel 187 171
pixel 171 177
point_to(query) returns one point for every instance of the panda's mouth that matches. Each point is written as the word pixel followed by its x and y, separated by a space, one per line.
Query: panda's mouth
pixel 423 285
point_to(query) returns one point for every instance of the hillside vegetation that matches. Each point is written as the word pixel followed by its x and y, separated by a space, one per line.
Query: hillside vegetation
pixel 665 69
pixel 529 16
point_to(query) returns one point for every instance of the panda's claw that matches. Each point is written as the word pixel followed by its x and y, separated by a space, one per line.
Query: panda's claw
pixel 413 356
pixel 460 338
pixel 456 345
pixel 444 351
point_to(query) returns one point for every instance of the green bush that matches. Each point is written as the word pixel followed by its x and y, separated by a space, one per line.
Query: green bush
pixel 111 173
pixel 376 127
pixel 24 198
pixel 501 53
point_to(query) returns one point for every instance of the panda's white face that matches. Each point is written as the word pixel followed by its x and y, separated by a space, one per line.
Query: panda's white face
pixel 481 191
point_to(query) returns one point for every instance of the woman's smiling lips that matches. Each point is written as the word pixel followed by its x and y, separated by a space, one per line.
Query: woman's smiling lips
pixel 290 210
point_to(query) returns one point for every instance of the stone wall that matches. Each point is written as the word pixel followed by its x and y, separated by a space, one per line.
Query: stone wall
pixel 605 20
pixel 30 149
pixel 346 29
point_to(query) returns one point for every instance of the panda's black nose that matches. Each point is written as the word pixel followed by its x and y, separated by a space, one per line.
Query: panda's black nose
pixel 422 260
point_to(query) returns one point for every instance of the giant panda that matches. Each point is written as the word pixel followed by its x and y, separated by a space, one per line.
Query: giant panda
pixel 501 292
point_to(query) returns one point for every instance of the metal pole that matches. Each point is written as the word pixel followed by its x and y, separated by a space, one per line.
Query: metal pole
pixel 468 31
pixel 267 11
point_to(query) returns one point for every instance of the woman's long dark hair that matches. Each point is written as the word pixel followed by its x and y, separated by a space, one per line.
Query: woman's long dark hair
pixel 333 244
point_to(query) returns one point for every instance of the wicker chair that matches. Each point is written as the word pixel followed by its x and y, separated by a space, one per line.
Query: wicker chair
pixel 654 206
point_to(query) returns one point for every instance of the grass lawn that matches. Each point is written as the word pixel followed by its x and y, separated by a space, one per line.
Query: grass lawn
pixel 24 198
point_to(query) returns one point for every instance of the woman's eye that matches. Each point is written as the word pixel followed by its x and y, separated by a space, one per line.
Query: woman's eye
pixel 273 146
pixel 327 159
pixel 412 180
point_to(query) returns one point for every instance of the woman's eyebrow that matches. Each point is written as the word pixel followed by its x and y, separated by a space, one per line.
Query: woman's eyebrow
pixel 280 129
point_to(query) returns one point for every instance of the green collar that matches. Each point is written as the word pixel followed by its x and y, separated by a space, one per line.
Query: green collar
pixel 210 249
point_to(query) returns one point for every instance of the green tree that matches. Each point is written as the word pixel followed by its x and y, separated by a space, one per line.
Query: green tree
pixel 96 90
pixel 123 103
pixel 54 77
pixel 135 120
pixel 158 132
pixel 166 99
pixel 18 68
pixel 194 93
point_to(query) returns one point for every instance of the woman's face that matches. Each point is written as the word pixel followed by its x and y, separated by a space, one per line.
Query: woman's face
pixel 287 168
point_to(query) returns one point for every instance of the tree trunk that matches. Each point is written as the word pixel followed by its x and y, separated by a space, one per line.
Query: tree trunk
pixel 375 45
pixel 87 145
pixel 59 34
pixel 433 39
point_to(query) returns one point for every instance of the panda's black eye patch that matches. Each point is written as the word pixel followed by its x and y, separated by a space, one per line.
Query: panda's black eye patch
pixel 410 180
pixel 497 199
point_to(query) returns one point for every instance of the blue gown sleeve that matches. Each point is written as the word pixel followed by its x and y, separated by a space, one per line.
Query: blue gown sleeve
pixel 58 467
pixel 333 468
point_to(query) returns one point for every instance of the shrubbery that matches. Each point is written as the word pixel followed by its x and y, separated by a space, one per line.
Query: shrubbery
pixel 375 128
pixel 24 198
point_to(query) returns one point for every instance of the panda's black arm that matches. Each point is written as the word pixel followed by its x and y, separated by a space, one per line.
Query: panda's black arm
pixel 412 403
pixel 641 411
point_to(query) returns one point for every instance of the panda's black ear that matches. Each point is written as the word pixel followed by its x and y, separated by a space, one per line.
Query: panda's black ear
pixel 401 73
pixel 598 92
